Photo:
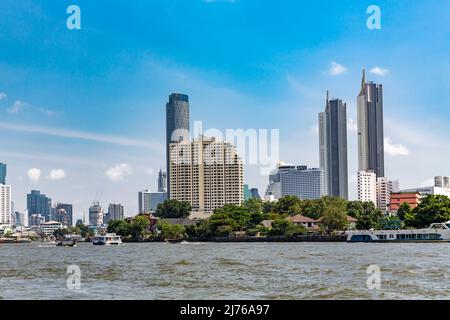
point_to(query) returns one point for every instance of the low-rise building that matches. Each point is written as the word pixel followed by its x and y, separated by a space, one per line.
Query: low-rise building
pixel 397 198
pixel 306 222
pixel 48 228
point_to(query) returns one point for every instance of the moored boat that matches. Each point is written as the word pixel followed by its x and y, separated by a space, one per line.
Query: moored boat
pixel 67 242
pixel 436 232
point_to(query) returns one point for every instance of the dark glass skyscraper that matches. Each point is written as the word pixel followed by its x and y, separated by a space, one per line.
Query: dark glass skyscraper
pixel 177 124
pixel 38 203
pixel 69 210
pixel 162 181
pixel 2 173
pixel 370 128
pixel 333 147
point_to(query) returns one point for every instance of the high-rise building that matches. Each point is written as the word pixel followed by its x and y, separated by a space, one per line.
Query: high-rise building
pixel 206 173
pixel 19 220
pixel 333 147
pixel 69 210
pixel 255 193
pixel 5 205
pixel 367 187
pixel 177 124
pixel 247 192
pixel 95 215
pixel 442 182
pixel 149 201
pixel 38 203
pixel 162 181
pixel 298 181
pixel 384 190
pixel 370 128
pixel 62 217
pixel 2 173
pixel 115 212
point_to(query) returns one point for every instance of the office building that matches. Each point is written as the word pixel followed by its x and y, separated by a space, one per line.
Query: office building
pixel 162 181
pixel 62 216
pixel 69 210
pixel 149 201
pixel 370 128
pixel 298 181
pixel 424 191
pixel 247 193
pixel 95 215
pixel 35 220
pixel 206 173
pixel 2 173
pixel 48 228
pixel 397 198
pixel 19 220
pixel 367 187
pixel 384 190
pixel 177 124
pixel 333 147
pixel 38 203
pixel 442 182
pixel 115 212
pixel 255 193
pixel 5 206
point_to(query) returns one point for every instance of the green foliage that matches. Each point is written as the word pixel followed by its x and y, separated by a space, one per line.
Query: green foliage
pixel 334 218
pixel 284 204
pixel 254 206
pixel 403 210
pixel 60 233
pixel 432 209
pixel 279 227
pixel 171 231
pixel 173 209
pixel 119 227
pixel 368 216
pixel 259 229
pixel 139 227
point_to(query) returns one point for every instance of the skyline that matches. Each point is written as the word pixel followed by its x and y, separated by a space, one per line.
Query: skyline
pixel 49 84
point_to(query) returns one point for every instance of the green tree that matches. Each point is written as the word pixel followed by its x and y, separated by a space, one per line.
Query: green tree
pixel 173 209
pixel 139 227
pixel 268 207
pixel 119 227
pixel 60 233
pixel 334 218
pixel 254 205
pixel 171 231
pixel 403 210
pixel 368 216
pixel 284 204
pixel 279 227
pixel 432 209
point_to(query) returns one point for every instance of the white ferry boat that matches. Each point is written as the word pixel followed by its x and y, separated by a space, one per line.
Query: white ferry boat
pixel 436 232
pixel 110 239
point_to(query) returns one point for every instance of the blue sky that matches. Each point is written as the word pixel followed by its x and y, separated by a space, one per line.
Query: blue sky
pixel 86 107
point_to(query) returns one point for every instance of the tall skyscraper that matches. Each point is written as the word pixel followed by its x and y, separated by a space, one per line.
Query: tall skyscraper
pixel 333 147
pixel 177 124
pixel 5 205
pixel 384 190
pixel 95 215
pixel 367 187
pixel 206 173
pixel 38 203
pixel 69 210
pixel 255 193
pixel 162 181
pixel 2 173
pixel 370 127
pixel 115 212
pixel 149 201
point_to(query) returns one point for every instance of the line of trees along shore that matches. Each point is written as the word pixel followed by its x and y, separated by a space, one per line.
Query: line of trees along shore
pixel 248 218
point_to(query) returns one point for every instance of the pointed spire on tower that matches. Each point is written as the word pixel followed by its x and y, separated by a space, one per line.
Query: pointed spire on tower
pixel 363 81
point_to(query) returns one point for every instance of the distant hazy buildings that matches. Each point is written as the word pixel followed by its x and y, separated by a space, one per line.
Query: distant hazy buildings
pixel 370 128
pixel 255 193
pixel 177 124
pixel 162 181
pixel 35 220
pixel 2 173
pixel 95 215
pixel 298 181
pixel 39 204
pixel 333 147
pixel 148 201
pixel 115 212
pixel 68 208
pixel 442 182
pixel 19 219
pixel 206 173
pixel 367 187
pixel 247 193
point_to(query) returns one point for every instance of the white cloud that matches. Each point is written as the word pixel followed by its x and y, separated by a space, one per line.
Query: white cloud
pixel 351 125
pixel 336 69
pixel 57 174
pixel 150 171
pixel 34 175
pixel 3 96
pixel 16 107
pixel 82 135
pixel 118 172
pixel 379 71
pixel 394 149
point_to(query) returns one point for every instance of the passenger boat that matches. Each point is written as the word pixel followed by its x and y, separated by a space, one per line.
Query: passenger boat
pixel 110 239
pixel 436 232
pixel 67 242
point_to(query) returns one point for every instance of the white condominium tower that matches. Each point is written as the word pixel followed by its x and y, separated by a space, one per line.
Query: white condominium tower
pixel 206 173
pixel 367 187
pixel 5 205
